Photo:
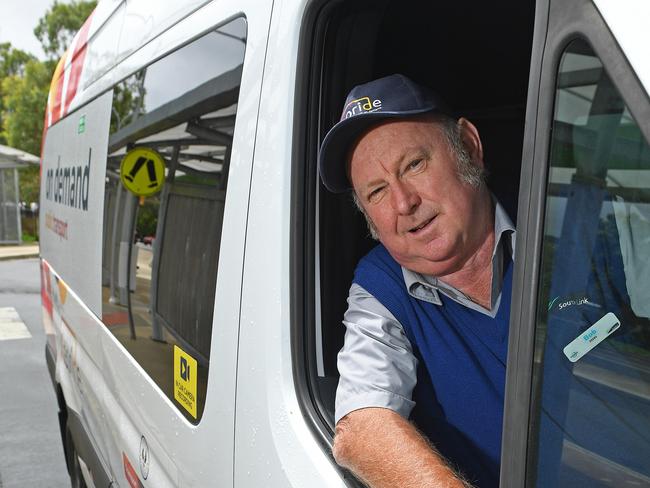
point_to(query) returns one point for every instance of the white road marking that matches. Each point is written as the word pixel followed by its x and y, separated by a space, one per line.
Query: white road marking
pixel 11 327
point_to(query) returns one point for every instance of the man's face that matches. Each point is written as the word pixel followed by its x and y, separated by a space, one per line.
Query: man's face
pixel 406 178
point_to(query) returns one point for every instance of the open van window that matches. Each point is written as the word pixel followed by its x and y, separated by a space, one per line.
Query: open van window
pixel 159 266
pixel 476 58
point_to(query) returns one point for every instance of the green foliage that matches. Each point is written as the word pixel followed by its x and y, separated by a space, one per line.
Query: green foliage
pixel 12 60
pixel 29 237
pixel 60 23
pixel 148 217
pixel 25 82
pixel 29 184
pixel 29 225
pixel 128 99
pixel 24 100
pixel 12 63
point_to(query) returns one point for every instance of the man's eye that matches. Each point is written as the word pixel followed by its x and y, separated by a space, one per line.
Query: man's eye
pixel 416 164
pixel 375 194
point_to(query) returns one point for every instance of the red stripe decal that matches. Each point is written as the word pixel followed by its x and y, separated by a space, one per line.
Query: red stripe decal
pixel 131 475
pixel 46 290
pixel 76 65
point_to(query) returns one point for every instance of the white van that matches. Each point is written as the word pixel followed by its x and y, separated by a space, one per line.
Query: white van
pixel 195 271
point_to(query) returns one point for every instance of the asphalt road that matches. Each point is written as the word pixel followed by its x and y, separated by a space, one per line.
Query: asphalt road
pixel 31 454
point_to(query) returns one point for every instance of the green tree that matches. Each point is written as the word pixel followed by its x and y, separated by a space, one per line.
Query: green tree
pixel 128 100
pixel 24 99
pixel 60 23
pixel 12 60
pixel 29 184
pixel 25 82
pixel 12 63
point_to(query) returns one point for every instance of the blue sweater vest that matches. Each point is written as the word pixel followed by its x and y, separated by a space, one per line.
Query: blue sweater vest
pixel 461 370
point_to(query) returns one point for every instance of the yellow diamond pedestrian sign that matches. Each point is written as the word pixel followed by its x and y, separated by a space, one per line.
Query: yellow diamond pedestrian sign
pixel 142 171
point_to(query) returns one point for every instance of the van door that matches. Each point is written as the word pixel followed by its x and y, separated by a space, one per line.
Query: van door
pixel 172 260
pixel 578 382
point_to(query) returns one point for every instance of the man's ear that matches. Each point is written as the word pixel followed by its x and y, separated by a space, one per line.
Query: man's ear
pixel 471 140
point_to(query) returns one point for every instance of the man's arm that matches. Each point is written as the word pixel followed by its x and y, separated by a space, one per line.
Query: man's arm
pixel 386 451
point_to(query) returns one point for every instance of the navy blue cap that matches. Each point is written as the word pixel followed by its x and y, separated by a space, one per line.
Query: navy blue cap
pixel 394 96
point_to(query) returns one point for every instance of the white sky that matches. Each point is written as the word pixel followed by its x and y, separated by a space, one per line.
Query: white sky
pixel 19 17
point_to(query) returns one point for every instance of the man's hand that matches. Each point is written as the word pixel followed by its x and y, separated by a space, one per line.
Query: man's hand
pixel 386 451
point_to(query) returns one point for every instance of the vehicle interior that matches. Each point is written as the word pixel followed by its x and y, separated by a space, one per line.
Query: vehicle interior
pixel 476 56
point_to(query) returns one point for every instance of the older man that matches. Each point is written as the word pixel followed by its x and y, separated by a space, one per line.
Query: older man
pixel 420 398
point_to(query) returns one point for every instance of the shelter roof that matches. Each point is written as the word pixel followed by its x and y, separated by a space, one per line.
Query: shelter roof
pixel 15 158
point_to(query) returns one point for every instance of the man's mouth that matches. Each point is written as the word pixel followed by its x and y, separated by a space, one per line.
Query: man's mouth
pixel 421 226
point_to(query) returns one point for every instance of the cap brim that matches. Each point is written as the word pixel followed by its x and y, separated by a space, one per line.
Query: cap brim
pixel 332 159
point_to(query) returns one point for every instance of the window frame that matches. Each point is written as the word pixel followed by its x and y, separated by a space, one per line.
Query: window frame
pixel 306 131
pixel 164 117
pixel 558 23
pixel 304 239
pixel 304 251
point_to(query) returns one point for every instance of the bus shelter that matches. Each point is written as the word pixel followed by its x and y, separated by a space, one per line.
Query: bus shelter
pixel 11 160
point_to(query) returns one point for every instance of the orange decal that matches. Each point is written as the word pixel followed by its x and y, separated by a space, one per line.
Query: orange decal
pixel 70 64
pixel 56 88
pixel 63 290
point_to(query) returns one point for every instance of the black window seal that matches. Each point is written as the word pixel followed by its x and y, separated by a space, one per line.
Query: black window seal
pixel 303 196
pixel 306 137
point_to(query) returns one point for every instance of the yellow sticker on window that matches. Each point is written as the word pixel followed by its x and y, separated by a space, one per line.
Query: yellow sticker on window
pixel 142 171
pixel 185 371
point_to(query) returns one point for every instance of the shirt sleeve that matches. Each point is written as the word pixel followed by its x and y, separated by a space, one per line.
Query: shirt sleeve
pixel 377 366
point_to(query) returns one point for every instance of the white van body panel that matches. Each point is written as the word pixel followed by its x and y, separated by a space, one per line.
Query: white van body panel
pixel 144 21
pixel 112 44
pixel 102 51
pixel 101 391
pixel 119 28
pixel 95 48
pixel 73 216
pixel 73 207
pixel 202 455
pixel 628 21
pixel 80 369
pixel 274 446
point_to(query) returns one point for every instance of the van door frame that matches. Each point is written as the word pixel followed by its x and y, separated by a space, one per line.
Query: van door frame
pixel 557 23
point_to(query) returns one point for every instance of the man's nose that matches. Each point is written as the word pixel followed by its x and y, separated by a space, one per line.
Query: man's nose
pixel 405 198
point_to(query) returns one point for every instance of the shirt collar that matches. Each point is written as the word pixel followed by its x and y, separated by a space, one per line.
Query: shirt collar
pixel 428 288
pixel 503 225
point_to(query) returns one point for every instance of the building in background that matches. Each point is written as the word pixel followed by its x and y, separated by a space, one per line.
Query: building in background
pixel 11 160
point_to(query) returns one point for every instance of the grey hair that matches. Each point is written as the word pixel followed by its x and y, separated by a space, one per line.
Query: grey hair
pixel 372 229
pixel 467 171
